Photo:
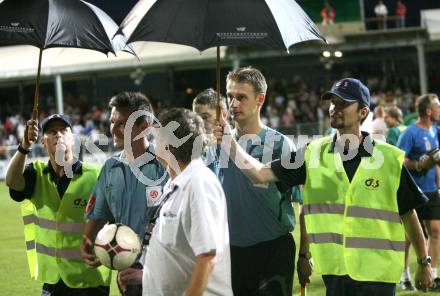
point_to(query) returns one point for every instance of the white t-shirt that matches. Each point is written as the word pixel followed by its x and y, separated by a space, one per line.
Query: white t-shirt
pixel 193 221
pixel 380 10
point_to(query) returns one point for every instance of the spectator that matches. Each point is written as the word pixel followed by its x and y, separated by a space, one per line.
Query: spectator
pixel 381 12
pixel 378 127
pixel 394 120
pixel 401 13
pixel 328 14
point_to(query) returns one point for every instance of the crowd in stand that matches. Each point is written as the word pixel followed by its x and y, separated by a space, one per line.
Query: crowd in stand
pixel 289 102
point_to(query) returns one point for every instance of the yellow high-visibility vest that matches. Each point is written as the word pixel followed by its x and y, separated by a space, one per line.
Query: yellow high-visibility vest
pixel 53 230
pixel 354 228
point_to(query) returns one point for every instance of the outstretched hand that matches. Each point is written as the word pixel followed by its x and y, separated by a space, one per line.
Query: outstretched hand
pixel 87 252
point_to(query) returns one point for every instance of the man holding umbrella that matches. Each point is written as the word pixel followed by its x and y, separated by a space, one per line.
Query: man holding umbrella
pixel 54 196
pixel 359 200
pixel 260 216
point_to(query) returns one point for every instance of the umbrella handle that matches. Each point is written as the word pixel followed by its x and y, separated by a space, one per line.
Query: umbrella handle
pixel 37 87
pixel 302 290
pixel 218 109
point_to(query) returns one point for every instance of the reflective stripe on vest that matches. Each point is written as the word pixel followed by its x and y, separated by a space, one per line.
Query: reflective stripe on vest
pixel 352 211
pixel 324 208
pixel 52 225
pixel 369 213
pixel 325 238
pixel 69 254
pixel 374 243
pixel 356 242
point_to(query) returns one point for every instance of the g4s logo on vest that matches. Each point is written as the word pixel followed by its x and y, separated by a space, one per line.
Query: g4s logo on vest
pixel 372 183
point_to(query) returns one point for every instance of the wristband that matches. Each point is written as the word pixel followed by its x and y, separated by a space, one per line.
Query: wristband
pixel 424 261
pixel 23 150
pixel 306 255
pixel 417 166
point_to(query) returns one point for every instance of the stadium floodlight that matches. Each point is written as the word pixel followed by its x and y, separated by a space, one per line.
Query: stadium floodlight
pixel 326 54
pixel 338 54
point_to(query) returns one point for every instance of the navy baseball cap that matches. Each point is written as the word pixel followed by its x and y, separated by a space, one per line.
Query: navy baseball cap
pixel 54 117
pixel 349 90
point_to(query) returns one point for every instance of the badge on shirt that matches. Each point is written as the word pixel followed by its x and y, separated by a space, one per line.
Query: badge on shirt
pixel 91 204
pixel 153 194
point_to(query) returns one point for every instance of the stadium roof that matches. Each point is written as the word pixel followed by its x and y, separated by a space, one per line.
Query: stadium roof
pixel 20 62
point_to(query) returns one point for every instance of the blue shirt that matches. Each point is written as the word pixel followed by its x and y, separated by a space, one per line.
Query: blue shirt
pixel 416 141
pixel 210 158
pixel 258 213
pixel 121 197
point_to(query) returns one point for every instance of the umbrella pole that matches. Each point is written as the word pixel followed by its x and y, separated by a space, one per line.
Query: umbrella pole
pixel 218 109
pixel 37 87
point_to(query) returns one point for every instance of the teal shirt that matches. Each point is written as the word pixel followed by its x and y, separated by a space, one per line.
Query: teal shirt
pixel 121 197
pixel 393 134
pixel 258 213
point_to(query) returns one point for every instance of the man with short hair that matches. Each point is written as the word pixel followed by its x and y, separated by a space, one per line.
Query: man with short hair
pixel 381 12
pixel 260 216
pixel 358 201
pixel 127 191
pixel 188 251
pixel 418 141
pixel 54 195
pixel 205 105
pixel 394 120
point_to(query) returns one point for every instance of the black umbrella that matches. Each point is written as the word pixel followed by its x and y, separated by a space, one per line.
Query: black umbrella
pixel 57 23
pixel 203 24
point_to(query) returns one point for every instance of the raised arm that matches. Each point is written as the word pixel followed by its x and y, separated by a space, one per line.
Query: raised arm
pixel 257 172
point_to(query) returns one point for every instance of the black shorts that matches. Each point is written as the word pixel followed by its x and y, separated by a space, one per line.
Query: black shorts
pixel 264 269
pixel 61 288
pixel 431 209
pixel 345 286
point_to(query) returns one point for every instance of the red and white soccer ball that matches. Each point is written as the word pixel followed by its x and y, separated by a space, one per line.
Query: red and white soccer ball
pixel 117 246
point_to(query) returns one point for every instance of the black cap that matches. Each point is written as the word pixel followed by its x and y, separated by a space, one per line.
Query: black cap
pixel 53 117
pixel 349 90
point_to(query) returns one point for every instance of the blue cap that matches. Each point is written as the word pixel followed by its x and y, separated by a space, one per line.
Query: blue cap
pixel 349 90
pixel 54 117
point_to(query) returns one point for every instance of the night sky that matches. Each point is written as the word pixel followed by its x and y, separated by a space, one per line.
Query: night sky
pixel 118 9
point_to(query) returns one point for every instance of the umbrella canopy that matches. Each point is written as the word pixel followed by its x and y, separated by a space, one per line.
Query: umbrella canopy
pixel 203 24
pixel 58 23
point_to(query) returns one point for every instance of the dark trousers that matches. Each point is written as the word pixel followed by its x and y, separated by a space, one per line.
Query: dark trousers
pixel 61 289
pixel 345 286
pixel 265 268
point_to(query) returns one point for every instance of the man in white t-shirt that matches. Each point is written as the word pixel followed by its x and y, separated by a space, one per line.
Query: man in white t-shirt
pixel 188 253
pixel 381 12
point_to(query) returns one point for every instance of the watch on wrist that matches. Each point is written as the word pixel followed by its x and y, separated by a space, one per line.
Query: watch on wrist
pixel 424 261
pixel 306 255
pixel 23 150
